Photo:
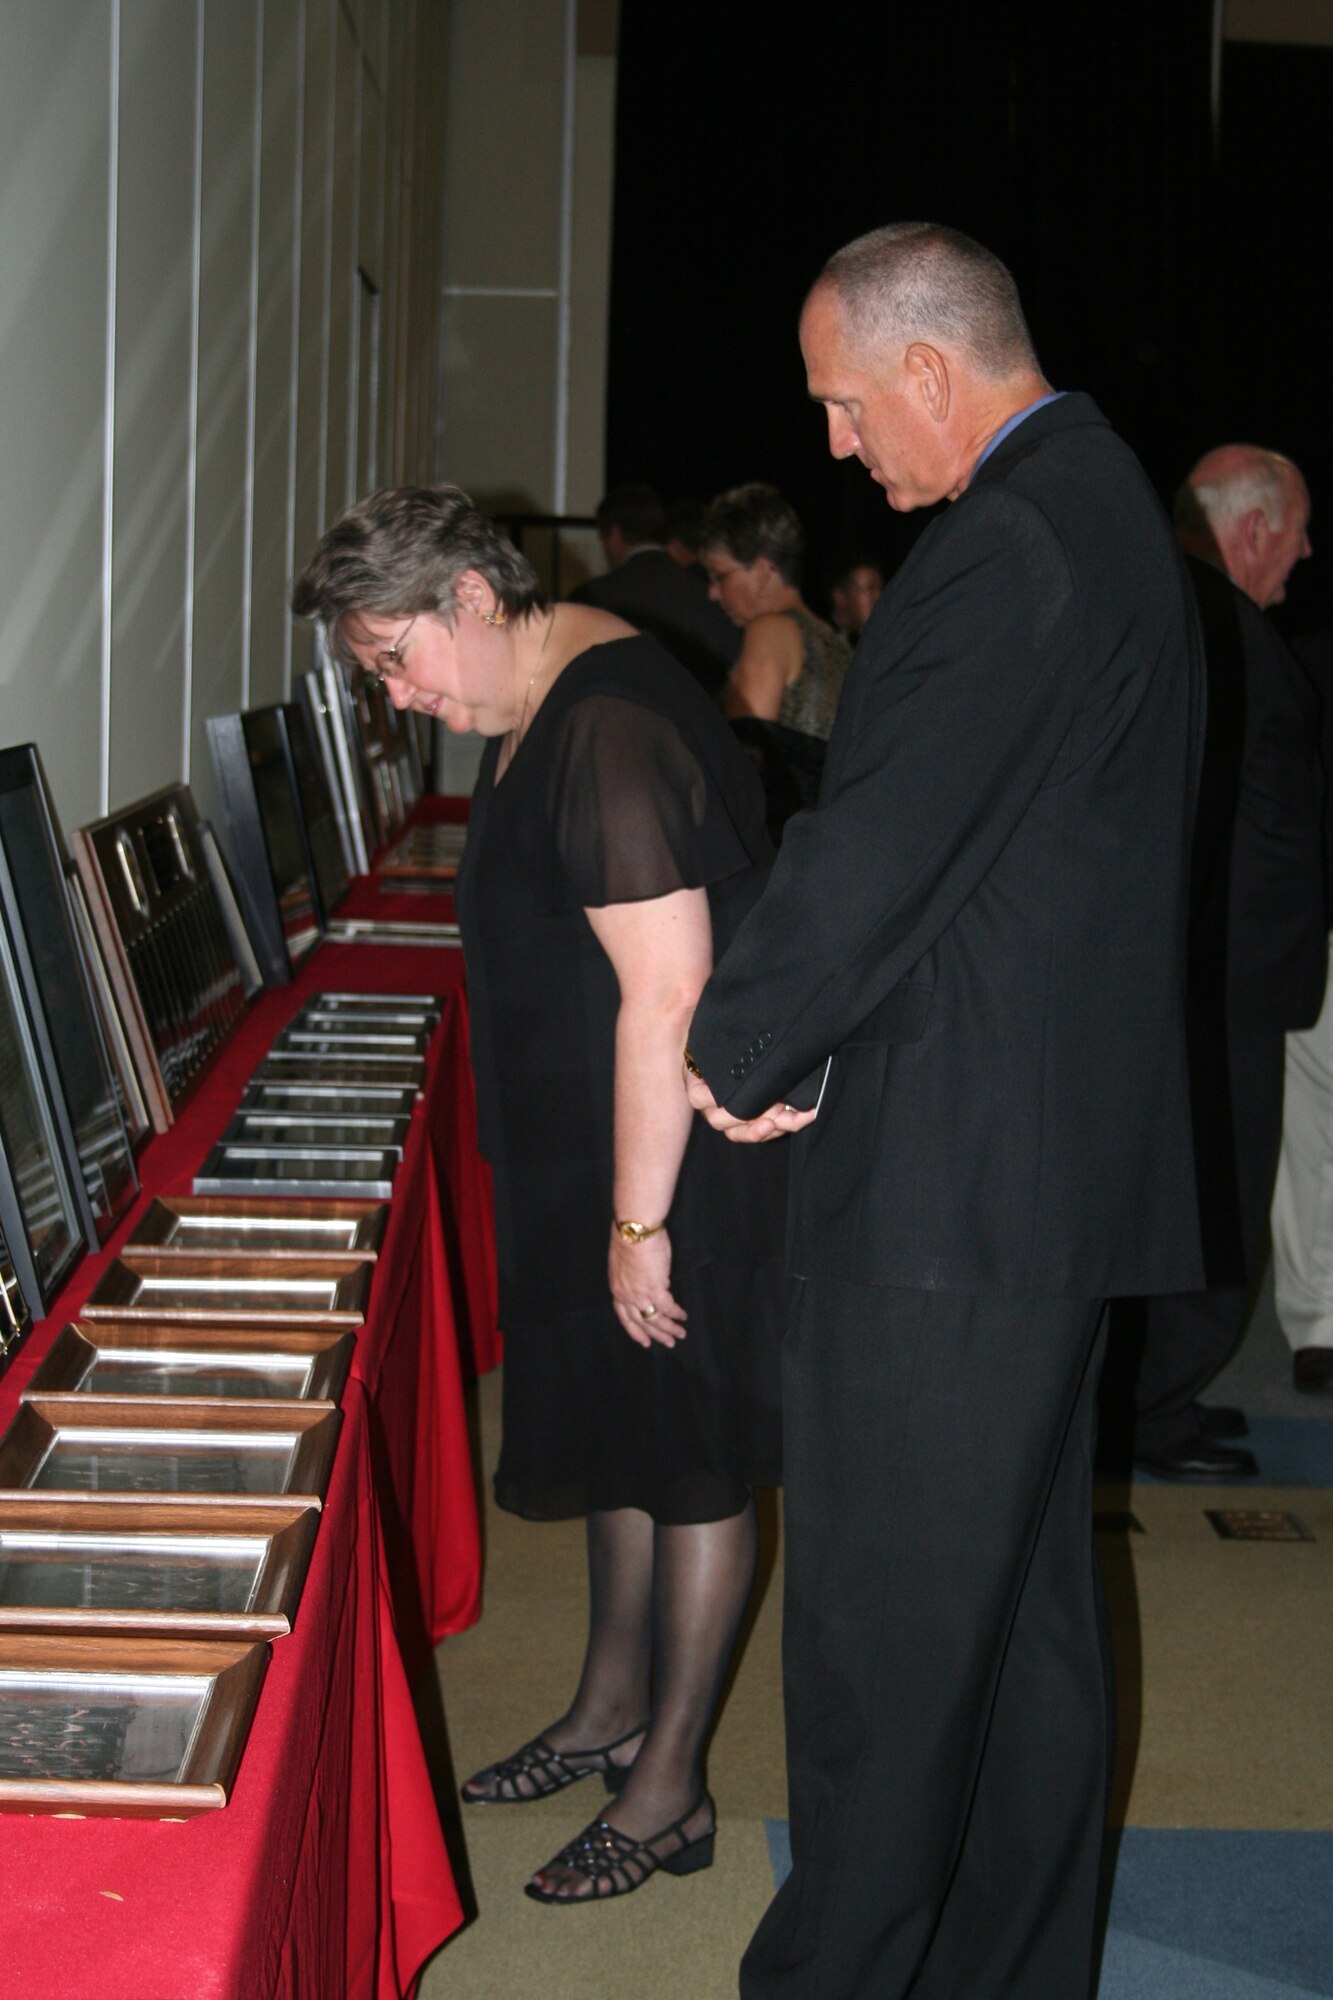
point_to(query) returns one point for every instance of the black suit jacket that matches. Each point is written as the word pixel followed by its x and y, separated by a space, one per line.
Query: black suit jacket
pixel 983 924
pixel 651 591
pixel 1258 946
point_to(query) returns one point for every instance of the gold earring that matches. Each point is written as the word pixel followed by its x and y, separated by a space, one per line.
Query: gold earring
pixel 497 617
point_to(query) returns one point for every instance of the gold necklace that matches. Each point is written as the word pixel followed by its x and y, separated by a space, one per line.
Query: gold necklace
pixel 532 682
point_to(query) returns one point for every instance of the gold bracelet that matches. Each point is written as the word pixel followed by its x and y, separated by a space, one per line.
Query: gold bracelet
pixel 690 1064
pixel 639 1232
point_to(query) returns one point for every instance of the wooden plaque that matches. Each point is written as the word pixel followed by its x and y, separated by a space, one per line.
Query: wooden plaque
pixel 123 1360
pixel 232 1290
pixel 204 1225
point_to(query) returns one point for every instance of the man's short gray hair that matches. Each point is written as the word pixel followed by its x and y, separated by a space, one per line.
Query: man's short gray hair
pixel 1244 478
pixel 922 281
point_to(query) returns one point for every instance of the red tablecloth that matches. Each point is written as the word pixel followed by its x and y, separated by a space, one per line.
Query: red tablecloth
pixel 326 1875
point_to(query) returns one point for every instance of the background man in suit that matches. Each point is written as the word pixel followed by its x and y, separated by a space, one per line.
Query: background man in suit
pixel 977 941
pixel 1258 944
pixel 647 587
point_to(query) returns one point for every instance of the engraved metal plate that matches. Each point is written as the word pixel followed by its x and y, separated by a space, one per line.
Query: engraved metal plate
pixel 229 1449
pixel 194 1226
pixel 323 1128
pixel 353 1170
pixel 70 1564
pixel 334 1034
pixel 302 1067
pixel 128 1359
pixel 233 1290
pixel 144 1727
pixel 1257 1524
pixel 376 930
pixel 327 1099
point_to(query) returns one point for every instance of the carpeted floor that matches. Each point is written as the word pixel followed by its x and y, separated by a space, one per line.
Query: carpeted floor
pixel 1223 1850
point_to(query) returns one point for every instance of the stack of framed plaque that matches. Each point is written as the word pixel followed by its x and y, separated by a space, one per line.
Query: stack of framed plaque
pixel 152 902
pixel 327 1110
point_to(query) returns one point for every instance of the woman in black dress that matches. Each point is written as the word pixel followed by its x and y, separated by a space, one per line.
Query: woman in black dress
pixel 616 841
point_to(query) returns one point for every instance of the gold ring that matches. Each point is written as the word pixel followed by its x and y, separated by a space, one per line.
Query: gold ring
pixel 648 1312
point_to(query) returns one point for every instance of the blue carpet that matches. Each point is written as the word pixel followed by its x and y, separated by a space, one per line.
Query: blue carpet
pixel 1201 1915
pixel 1292 1451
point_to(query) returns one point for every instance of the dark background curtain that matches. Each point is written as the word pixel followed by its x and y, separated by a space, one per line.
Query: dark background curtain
pixel 1177 278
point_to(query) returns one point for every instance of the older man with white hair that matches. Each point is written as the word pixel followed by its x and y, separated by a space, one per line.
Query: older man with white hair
pixel 1253 507
pixel 972 954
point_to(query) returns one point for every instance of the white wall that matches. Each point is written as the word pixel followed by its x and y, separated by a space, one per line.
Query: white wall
pixel 220 241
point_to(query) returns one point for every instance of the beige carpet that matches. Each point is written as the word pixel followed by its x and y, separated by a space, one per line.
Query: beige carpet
pixel 1222 1672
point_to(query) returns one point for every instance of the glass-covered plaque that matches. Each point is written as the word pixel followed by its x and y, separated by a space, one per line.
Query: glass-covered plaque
pixel 238 1290
pixel 327 1100
pixel 129 1090
pixel 376 1009
pixel 327 698
pixel 348 1035
pixel 319 1128
pixel 202 1226
pixel 265 838
pixel 151 1728
pixel 40 1213
pixel 79 1076
pixel 376 930
pixel 70 1564
pixel 15 1319
pixel 303 1065
pixel 233 1449
pixel 425 853
pixel 234 1165
pixel 126 1358
pixel 318 813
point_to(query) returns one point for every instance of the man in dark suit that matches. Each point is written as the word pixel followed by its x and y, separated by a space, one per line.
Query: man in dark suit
pixel 651 590
pixel 1258 944
pixel 974 950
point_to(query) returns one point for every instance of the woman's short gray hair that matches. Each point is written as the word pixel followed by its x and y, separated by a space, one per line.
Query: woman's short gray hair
pixel 753 521
pixel 402 551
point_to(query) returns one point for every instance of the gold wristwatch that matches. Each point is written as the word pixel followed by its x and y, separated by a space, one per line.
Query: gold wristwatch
pixel 639 1232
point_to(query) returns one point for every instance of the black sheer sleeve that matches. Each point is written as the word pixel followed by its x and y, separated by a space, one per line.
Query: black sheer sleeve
pixel 632 812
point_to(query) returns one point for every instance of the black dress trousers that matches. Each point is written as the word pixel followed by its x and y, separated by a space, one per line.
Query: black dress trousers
pixel 944 1650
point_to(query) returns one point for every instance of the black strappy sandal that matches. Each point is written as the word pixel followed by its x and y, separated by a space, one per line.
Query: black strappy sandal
pixel 543 1770
pixel 616 1865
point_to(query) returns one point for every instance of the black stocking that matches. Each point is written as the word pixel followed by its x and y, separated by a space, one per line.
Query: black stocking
pixel 700 1579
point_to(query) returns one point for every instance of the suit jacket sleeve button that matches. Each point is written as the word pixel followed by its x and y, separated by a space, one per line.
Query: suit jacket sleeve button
pixel 738 1070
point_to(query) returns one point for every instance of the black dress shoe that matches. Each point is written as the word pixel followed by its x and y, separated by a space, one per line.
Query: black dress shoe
pixel 1200 1459
pixel 1221 1420
pixel 1312 1367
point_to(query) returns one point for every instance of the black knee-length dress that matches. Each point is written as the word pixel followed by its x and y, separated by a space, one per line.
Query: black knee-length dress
pixel 627 786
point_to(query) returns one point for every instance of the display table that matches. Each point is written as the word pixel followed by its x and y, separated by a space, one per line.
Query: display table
pixel 326 1875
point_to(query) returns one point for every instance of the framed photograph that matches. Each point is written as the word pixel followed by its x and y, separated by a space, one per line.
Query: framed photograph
pixel 97 1563
pixel 127 1728
pixel 265 838
pixel 177 983
pixel 67 1032
pixel 41 1213
pixel 235 1165
pixel 219 1449
pixel 230 1289
pixel 125 1359
pixel 202 1226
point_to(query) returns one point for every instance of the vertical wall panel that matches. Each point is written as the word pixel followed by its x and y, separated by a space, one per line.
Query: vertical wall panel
pixel 316 195
pixel 155 296
pixel 269 620
pixel 346 153
pixel 54 162
pixel 231 30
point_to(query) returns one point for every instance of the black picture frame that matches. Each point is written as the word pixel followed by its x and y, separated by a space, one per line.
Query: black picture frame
pixel 40 1213
pixel 319 821
pixel 66 1021
pixel 265 838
